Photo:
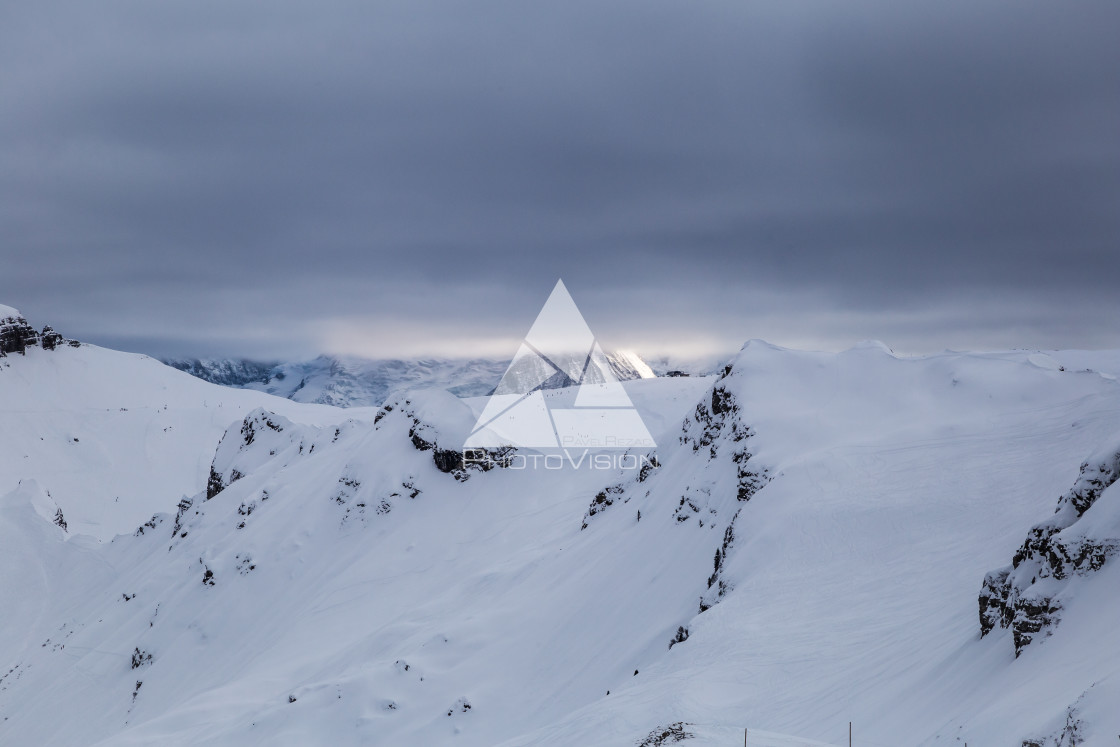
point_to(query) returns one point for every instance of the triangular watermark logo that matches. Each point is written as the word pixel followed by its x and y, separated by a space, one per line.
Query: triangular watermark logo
pixel 527 411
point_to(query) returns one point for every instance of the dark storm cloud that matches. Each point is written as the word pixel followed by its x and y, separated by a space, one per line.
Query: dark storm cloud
pixel 268 179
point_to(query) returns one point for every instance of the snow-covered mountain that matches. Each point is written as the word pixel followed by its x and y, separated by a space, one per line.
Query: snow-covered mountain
pixel 678 365
pixel 113 436
pixel 237 372
pixel 809 550
pixel 347 381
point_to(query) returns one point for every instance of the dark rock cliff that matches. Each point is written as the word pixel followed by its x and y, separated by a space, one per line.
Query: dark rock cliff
pixel 1076 541
pixel 16 335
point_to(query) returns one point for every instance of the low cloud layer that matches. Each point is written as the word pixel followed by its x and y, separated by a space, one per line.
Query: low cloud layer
pixel 412 177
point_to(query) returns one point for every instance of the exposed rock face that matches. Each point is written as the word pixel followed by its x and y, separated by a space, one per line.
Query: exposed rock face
pixel 720 421
pixel 16 335
pixel 262 436
pixel 602 500
pixel 450 461
pixel 1068 735
pixel 668 734
pixel 717 586
pixel 1076 541
pixel 50 339
pixel 717 427
pixel 719 437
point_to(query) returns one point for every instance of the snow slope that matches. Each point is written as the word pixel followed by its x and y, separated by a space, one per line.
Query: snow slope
pixel 809 552
pixel 115 436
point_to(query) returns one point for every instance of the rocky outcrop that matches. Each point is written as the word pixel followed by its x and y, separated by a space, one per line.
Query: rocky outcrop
pixel 1077 541
pixel 668 734
pixel 717 586
pixel 717 423
pixel 1069 734
pixel 263 436
pixel 421 412
pixel 624 491
pixel 603 500
pixel 16 335
pixel 455 462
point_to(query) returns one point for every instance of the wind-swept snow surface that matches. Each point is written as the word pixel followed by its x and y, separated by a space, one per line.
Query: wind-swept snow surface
pixel 806 549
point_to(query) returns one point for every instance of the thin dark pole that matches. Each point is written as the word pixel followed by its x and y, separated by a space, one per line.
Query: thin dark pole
pixel 849 734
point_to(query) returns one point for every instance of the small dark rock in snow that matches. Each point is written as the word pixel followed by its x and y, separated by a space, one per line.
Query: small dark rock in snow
pixel 140 658
pixel 462 705
pixel 669 734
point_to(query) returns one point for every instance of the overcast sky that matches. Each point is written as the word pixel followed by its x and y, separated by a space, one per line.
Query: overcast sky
pixel 404 177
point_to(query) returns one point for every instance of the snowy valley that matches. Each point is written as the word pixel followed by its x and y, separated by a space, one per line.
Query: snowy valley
pixel 923 546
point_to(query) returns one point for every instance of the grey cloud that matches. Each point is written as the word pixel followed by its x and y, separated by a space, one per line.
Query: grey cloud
pixel 192 178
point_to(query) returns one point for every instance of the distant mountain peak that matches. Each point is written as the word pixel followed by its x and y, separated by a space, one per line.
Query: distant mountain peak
pixel 349 381
pixel 235 372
